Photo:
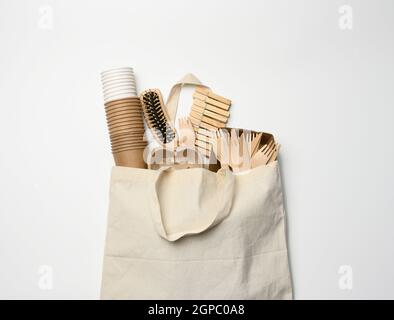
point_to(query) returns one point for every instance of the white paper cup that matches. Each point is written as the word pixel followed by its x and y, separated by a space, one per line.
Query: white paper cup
pixel 118 74
pixel 118 88
pixel 129 92
pixel 117 70
pixel 115 93
pixel 124 91
pixel 118 83
pixel 119 96
pixel 117 80
pixel 121 87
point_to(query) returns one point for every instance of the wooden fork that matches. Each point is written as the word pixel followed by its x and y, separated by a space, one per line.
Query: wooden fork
pixel 263 156
pixel 275 154
pixel 220 141
pixel 242 153
pixel 256 138
pixel 186 134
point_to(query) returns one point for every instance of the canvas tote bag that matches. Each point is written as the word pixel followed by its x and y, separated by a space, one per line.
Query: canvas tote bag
pixel 195 234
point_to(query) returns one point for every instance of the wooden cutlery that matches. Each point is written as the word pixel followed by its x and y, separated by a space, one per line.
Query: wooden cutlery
pixel 186 134
pixel 241 153
pixel 264 155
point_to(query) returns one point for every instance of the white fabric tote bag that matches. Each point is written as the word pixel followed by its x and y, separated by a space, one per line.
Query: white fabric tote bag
pixel 195 234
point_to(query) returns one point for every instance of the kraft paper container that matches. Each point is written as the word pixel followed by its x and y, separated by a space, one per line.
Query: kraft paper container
pixel 131 132
pixel 130 158
pixel 119 104
pixel 131 99
pixel 124 117
pixel 118 143
pixel 123 122
pixel 128 138
pixel 127 147
pixel 128 126
pixel 135 115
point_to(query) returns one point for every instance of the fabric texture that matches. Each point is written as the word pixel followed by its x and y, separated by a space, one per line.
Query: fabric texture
pixel 196 234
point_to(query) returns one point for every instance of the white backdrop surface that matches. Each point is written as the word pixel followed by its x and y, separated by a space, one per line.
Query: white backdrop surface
pixel 290 69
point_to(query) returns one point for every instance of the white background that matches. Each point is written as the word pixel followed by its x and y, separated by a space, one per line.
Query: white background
pixel 325 93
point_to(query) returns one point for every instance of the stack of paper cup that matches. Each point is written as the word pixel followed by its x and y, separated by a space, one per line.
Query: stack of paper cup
pixel 118 83
pixel 124 117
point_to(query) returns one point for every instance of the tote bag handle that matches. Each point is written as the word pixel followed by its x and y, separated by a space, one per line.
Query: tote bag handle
pixel 214 201
pixel 173 97
pixel 218 186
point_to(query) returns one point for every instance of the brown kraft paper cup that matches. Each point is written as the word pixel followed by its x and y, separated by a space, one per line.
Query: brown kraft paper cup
pixel 128 145
pixel 134 124
pixel 130 158
pixel 127 114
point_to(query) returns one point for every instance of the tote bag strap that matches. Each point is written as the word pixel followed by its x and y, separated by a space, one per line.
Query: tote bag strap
pixel 173 97
pixel 222 190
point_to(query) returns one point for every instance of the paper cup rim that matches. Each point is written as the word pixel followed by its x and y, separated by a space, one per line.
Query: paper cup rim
pixel 108 97
pixel 118 89
pixel 120 108
pixel 117 69
pixel 125 100
pixel 109 81
pixel 137 147
pixel 125 113
pixel 120 123
pixel 118 93
pixel 126 131
pixel 118 75
pixel 113 98
pixel 119 84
